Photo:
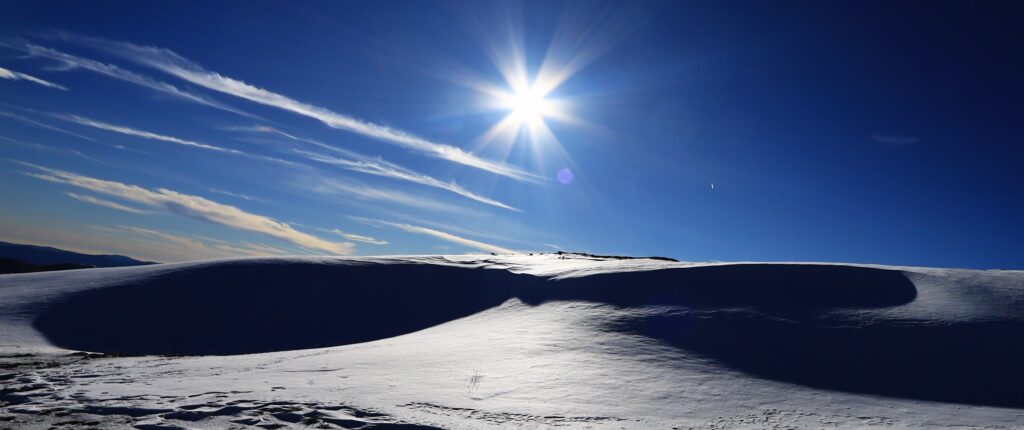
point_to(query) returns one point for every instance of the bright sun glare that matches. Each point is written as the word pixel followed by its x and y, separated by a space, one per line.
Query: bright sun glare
pixel 529 107
pixel 527 104
pixel 529 100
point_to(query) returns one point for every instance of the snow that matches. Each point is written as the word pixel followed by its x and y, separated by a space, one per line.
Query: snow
pixel 516 341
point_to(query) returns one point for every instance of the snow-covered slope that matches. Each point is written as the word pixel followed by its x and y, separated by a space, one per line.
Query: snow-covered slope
pixel 523 341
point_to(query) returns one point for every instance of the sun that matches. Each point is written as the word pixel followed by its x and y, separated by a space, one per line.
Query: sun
pixel 527 105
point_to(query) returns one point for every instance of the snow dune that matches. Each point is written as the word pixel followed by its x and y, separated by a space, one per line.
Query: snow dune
pixel 246 307
pixel 631 340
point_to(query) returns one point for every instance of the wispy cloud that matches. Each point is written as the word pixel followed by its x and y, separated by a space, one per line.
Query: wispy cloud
pixel 180 247
pixel 70 62
pixel 212 248
pixel 236 195
pixel 193 248
pixel 44 125
pixel 194 207
pixel 141 133
pixel 373 166
pixel 450 237
pixel 165 138
pixel 261 249
pixel 54 149
pixel 18 76
pixel 105 203
pixel 171 63
pixel 366 192
pixel 355 237
pixel 390 170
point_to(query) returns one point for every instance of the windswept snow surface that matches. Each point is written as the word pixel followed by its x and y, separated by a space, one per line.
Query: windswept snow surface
pixel 519 341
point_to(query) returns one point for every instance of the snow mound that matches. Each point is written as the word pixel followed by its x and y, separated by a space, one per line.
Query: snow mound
pixel 656 331
pixel 242 307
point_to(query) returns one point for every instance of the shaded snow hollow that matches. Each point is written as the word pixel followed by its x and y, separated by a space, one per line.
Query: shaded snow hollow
pixel 523 341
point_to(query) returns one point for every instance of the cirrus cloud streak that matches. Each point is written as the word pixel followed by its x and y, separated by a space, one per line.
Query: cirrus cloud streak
pixel 18 76
pixel 70 62
pixel 105 203
pixel 450 238
pixel 389 170
pixel 193 207
pixel 173 64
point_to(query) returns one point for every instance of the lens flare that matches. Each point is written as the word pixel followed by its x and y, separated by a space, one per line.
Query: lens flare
pixel 565 176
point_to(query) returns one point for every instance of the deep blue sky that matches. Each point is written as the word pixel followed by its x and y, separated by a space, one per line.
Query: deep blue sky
pixel 884 132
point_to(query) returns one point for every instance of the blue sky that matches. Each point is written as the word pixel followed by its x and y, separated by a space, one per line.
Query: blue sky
pixel 881 133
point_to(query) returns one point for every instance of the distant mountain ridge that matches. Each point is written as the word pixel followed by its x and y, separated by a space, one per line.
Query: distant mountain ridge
pixel 48 256
pixel 9 265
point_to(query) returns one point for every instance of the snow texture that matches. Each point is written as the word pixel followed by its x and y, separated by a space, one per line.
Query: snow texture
pixel 517 341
